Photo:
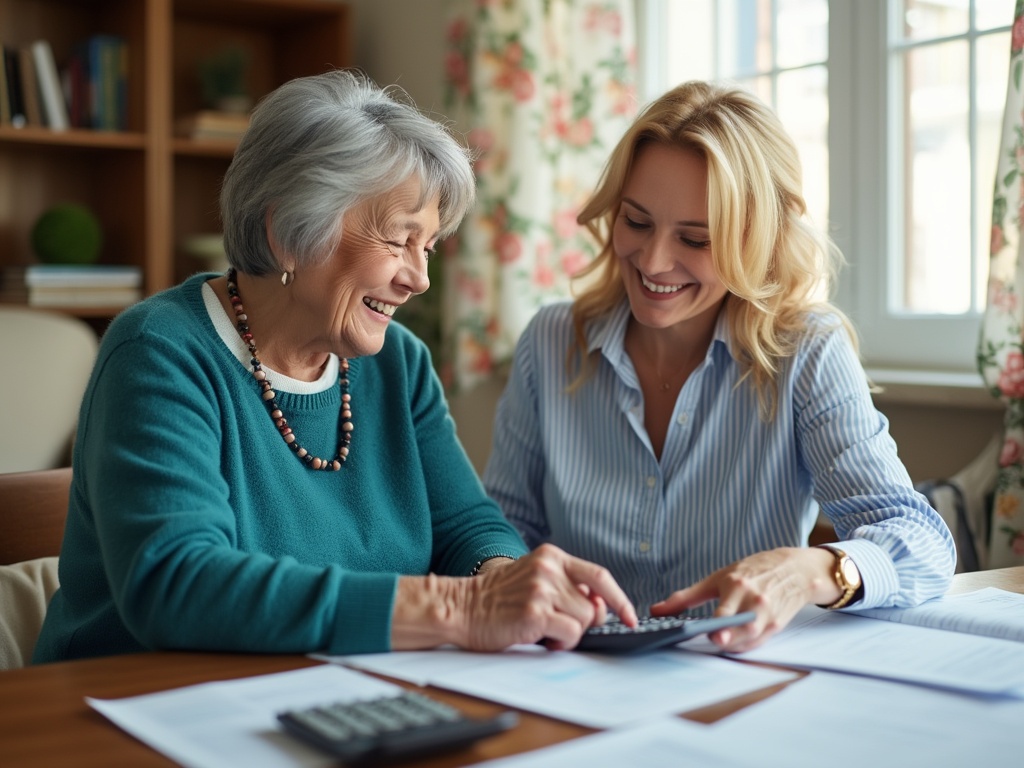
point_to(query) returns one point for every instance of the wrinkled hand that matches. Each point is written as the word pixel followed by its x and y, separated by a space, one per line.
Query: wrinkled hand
pixel 774 584
pixel 547 594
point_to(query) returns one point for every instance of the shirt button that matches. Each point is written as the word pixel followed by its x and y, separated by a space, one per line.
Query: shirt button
pixel 645 546
pixel 652 481
pixel 682 418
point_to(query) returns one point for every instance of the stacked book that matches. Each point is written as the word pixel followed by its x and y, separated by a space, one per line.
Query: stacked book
pixel 212 124
pixel 58 285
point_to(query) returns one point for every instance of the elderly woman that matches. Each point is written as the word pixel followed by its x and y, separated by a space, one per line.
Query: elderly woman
pixel 265 461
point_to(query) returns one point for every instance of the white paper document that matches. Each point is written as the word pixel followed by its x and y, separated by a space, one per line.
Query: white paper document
pixel 860 722
pixel 422 667
pixel 667 741
pixel 829 640
pixel 232 723
pixel 839 721
pixel 598 691
pixel 992 612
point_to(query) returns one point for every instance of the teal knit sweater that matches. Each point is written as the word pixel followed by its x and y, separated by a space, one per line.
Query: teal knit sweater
pixel 192 525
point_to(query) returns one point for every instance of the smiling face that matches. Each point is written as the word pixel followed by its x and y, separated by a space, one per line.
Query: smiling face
pixel 661 237
pixel 380 263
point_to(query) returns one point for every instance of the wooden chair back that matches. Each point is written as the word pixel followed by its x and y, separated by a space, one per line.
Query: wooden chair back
pixel 33 508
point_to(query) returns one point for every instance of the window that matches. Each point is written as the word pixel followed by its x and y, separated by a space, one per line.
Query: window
pixel 896 107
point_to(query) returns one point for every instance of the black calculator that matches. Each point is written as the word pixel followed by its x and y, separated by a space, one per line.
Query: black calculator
pixel 389 729
pixel 653 632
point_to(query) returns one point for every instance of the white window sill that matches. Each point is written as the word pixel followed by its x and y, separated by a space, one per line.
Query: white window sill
pixel 938 388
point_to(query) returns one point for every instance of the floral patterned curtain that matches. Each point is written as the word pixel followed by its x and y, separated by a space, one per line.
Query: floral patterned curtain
pixel 1001 349
pixel 542 89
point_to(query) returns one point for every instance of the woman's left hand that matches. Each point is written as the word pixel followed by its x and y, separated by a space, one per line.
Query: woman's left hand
pixel 775 584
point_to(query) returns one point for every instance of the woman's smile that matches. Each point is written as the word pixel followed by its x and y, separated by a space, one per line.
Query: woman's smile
pixel 661 290
pixel 380 307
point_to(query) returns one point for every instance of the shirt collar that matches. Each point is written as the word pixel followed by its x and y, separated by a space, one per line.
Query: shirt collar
pixel 608 334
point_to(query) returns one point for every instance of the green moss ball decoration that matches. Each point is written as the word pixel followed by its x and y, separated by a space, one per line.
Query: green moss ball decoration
pixel 67 234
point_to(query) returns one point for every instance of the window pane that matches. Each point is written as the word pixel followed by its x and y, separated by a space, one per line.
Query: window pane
pixel 692 22
pixel 746 37
pixel 803 109
pixel 924 19
pixel 993 63
pixel 937 181
pixel 993 13
pixel 802 31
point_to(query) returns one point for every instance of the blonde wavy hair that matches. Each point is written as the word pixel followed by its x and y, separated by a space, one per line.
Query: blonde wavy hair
pixel 776 266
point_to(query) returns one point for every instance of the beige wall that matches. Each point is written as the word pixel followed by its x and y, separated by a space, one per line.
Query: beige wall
pixel 402 41
pixel 936 441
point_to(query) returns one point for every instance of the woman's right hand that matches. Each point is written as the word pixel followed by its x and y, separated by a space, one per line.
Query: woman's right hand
pixel 546 595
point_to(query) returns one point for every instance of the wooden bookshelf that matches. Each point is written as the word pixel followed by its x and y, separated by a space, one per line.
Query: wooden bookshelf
pixel 150 189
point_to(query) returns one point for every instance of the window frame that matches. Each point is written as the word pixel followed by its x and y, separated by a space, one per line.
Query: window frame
pixel 864 184
pixel 864 117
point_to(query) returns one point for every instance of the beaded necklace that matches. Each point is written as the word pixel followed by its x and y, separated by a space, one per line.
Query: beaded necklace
pixel 269 395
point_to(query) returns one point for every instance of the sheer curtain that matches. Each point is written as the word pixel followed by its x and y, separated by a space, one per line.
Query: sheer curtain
pixel 1001 349
pixel 542 90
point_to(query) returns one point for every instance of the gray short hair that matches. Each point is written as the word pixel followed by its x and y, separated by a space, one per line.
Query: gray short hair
pixel 316 147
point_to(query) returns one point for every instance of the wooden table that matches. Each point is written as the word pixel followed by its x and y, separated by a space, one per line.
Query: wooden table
pixel 44 720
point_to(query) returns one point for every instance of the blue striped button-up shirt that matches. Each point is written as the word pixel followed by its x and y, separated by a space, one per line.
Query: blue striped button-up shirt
pixel 578 469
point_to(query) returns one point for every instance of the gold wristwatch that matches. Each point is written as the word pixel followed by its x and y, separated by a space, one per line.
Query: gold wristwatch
pixel 847 578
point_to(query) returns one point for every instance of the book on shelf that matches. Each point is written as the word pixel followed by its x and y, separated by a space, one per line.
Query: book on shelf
pixel 212 124
pixel 75 82
pixel 19 278
pixel 5 96
pixel 95 82
pixel 54 107
pixel 30 88
pixel 12 73
pixel 115 74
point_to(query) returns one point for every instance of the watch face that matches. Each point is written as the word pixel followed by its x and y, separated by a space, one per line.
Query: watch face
pixel 850 572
